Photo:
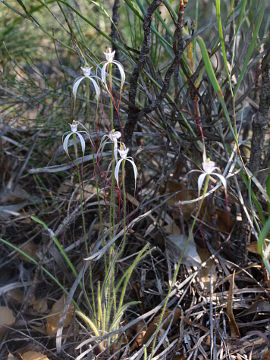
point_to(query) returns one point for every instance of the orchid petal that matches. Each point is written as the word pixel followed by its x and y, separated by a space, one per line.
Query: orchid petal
pixel 97 89
pixel 103 75
pixel 86 70
pixel 109 55
pixel 86 132
pixel 122 72
pixel 65 133
pixel 115 148
pixel 204 155
pixel 114 135
pixel 65 143
pixel 209 166
pixel 102 144
pixel 123 152
pixel 193 171
pixel 74 127
pixel 200 181
pixel 82 141
pixel 116 171
pixel 222 179
pixel 76 85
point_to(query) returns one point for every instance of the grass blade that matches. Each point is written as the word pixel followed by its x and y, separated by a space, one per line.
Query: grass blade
pixel 57 243
pixel 251 48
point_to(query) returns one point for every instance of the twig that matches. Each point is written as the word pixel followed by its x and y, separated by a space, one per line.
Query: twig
pixel 261 118
pixel 133 114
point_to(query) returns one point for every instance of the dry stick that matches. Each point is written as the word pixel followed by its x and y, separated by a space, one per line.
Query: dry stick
pixel 135 116
pixel 115 39
pixel 132 113
pixel 261 119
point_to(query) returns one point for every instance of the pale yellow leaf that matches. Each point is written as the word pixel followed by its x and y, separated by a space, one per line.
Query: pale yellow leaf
pixel 55 315
pixel 40 305
pixel 33 355
pixel 6 319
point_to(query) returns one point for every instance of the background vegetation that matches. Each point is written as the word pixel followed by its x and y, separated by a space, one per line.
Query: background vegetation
pixel 171 274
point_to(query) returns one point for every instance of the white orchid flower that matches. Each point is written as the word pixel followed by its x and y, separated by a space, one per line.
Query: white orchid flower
pixel 110 60
pixel 208 169
pixel 123 151
pixel 112 137
pixel 86 75
pixel 74 130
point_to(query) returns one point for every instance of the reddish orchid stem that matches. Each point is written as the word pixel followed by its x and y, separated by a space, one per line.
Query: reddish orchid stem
pixel 197 116
pixel 116 105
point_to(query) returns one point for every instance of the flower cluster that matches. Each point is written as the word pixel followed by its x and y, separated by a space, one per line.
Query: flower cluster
pixel 123 151
pixel 208 169
pixel 94 79
pixel 113 136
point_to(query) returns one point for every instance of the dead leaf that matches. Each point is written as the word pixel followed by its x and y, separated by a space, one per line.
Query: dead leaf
pixel 33 355
pixel 11 357
pixel 89 190
pixel 176 244
pixel 6 319
pixel 233 325
pixel 16 295
pixel 184 195
pixel 172 229
pixel 55 315
pixel 40 305
pixel 207 273
pixel 224 221
pixel 266 355
pixel 253 247
pixel 30 248
pixel 140 329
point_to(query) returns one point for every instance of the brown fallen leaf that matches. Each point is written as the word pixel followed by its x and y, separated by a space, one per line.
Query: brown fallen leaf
pixel 184 195
pixel 33 355
pixel 90 190
pixel 30 248
pixel 55 315
pixel 11 357
pixel 224 221
pixel 266 355
pixel 7 319
pixel 207 273
pixel 40 305
pixel 233 325
pixel 253 246
pixel 140 329
pixel 15 295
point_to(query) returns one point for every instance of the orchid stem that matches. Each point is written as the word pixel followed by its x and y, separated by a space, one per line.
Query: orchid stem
pixel 179 263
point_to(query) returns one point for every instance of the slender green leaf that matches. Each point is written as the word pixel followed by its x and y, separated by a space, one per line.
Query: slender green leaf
pixel 35 262
pixel 214 82
pixel 221 38
pixel 251 48
pixel 57 243
pixel 261 244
